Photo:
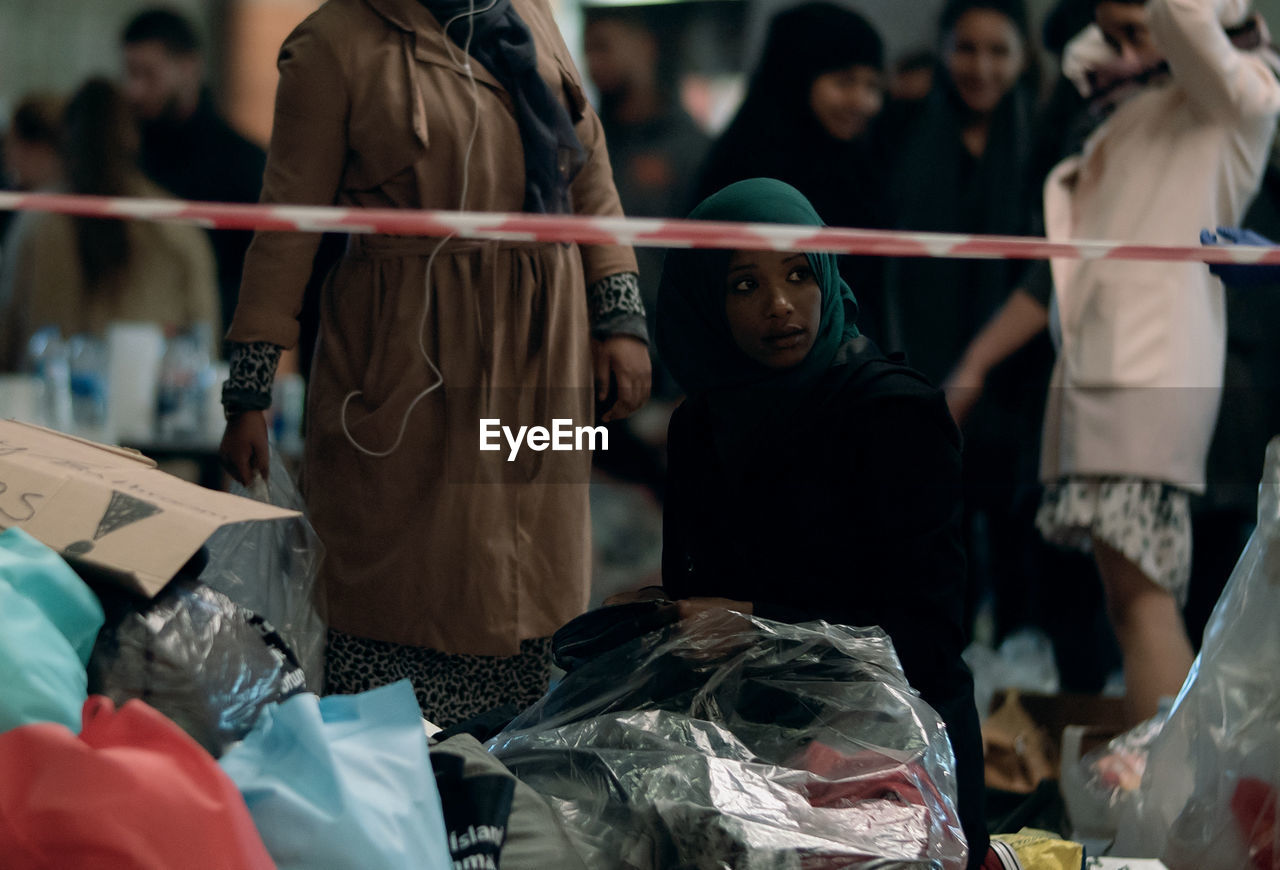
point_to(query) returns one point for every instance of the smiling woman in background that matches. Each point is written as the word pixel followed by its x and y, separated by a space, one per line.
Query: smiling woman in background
pixel 962 165
pixel 805 120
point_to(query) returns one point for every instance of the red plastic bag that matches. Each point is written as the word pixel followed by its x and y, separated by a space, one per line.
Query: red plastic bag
pixel 132 792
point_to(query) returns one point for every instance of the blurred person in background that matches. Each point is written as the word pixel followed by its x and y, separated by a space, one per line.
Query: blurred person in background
pixel 32 162
pixel 1190 94
pixel 1250 416
pixel 32 159
pixel 655 148
pixel 961 165
pixel 912 77
pixel 80 274
pixel 187 147
pixel 806 119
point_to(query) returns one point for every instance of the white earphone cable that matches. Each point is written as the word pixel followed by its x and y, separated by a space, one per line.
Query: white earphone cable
pixel 465 63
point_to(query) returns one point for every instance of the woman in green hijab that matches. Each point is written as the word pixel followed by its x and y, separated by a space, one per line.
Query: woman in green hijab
pixel 809 476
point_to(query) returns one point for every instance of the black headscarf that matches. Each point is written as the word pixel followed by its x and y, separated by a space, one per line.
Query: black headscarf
pixel 501 41
pixel 938 305
pixel 776 135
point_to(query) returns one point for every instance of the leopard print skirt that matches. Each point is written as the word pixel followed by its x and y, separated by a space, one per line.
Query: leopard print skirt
pixel 1149 522
pixel 451 688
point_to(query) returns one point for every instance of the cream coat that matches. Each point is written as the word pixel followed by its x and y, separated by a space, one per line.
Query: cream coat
pixel 1139 375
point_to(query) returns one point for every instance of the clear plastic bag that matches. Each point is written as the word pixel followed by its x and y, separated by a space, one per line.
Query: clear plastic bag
pixel 271 567
pixel 727 741
pixel 1208 795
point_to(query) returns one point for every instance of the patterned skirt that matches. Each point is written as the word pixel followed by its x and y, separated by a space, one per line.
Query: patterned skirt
pixel 451 688
pixel 1149 522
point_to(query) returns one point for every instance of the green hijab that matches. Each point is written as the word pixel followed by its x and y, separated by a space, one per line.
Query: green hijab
pixel 747 401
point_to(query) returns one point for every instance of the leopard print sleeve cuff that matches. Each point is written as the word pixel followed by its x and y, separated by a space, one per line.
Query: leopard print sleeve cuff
pixel 253 371
pixel 615 307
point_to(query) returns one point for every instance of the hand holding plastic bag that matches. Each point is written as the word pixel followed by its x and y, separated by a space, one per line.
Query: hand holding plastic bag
pixel 271 567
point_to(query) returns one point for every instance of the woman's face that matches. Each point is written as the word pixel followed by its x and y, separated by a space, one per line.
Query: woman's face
pixel 984 56
pixel 774 306
pixel 845 100
pixel 1125 27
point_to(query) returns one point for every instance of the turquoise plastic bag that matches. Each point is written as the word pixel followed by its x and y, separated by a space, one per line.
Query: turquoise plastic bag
pixel 48 620
pixel 343 782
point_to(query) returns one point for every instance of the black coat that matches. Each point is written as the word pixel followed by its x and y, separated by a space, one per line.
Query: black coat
pixel 202 158
pixel 854 518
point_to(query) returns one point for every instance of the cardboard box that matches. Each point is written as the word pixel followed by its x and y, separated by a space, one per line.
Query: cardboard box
pixel 1102 717
pixel 110 508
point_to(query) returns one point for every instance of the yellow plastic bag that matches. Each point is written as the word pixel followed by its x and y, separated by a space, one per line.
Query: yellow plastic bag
pixel 1041 850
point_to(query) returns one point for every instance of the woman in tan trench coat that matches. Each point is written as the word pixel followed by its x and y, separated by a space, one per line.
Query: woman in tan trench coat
pixel 445 563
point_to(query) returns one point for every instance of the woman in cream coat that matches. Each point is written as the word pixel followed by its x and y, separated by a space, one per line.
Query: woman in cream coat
pixel 1136 388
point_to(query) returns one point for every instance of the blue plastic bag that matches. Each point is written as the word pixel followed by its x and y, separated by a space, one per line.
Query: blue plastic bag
pixel 48 620
pixel 343 782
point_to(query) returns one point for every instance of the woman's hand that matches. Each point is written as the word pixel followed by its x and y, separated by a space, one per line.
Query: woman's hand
pixel 646 593
pixel 690 607
pixel 244 447
pixel 713 627
pixel 624 361
pixel 963 388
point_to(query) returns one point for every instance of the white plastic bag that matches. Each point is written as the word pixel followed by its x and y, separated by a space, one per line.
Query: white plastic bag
pixel 1024 661
pixel 270 567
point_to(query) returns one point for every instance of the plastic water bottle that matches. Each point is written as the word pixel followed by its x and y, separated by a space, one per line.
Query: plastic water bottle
pixel 87 358
pixel 47 360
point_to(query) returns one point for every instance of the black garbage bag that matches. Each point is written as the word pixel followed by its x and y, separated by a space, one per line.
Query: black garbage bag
pixel 194 655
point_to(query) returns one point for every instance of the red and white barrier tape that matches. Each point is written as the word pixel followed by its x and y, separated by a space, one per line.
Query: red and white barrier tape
pixel 640 232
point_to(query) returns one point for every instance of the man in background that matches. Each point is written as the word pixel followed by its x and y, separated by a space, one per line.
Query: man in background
pixel 654 146
pixel 655 149
pixel 187 147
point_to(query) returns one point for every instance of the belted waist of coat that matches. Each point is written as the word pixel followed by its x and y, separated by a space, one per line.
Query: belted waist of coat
pixel 374 245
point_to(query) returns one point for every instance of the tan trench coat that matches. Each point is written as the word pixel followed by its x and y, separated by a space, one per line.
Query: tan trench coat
pixel 1142 345
pixel 437 544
